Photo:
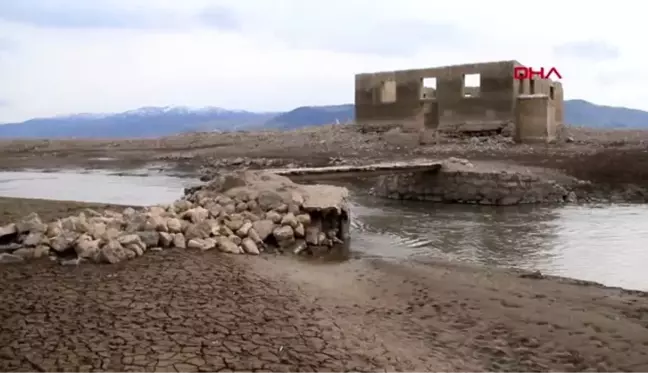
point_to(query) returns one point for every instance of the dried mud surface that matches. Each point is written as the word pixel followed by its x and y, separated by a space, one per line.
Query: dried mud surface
pixel 190 311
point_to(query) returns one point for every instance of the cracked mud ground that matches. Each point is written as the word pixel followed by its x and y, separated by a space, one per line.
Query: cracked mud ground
pixel 190 311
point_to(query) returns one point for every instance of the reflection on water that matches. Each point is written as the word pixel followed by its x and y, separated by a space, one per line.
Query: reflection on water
pixel 606 244
pixel 93 186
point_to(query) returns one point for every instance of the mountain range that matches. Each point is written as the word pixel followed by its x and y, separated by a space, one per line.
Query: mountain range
pixel 162 121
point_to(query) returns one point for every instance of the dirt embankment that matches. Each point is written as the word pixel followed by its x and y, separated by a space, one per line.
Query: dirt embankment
pixel 613 158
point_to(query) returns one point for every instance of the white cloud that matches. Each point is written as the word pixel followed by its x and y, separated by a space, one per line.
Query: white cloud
pixel 112 55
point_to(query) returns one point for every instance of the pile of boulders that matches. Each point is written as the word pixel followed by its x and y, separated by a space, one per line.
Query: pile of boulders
pixel 238 213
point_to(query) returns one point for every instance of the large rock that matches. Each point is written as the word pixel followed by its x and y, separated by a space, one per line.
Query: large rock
pixel 263 228
pixel 87 248
pixel 31 223
pixel 8 230
pixel 113 252
pixel 284 235
pixel 64 241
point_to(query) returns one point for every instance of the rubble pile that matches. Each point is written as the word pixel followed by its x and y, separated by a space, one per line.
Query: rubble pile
pixel 238 213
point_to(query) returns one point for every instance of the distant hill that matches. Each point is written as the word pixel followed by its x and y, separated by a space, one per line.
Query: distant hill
pixel 584 113
pixel 162 121
pixel 142 122
pixel 312 115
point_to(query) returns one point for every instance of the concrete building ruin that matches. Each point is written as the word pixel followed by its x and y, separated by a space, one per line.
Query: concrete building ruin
pixel 470 98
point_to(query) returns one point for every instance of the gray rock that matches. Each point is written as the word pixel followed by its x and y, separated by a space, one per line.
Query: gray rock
pixel 289 219
pixel 201 244
pixel 166 239
pixel 229 209
pixel 182 205
pixel 304 219
pixel 131 239
pixel 215 210
pixel 250 247
pixel 245 228
pixel 31 223
pixel 54 229
pixel 113 252
pixel 133 250
pixel 252 234
pixel 300 231
pixel 241 206
pixel 8 229
pixel 283 234
pixel 34 239
pixel 150 238
pixel 174 225
pixel 196 214
pixel 97 230
pixel 10 258
pixel 85 247
pixel 273 216
pixel 128 212
pixel 282 208
pixel 293 209
pixel 200 230
pixel 263 228
pixel 234 225
pixel 227 246
pixel 236 239
pixel 64 241
pixel 252 205
pixel 179 241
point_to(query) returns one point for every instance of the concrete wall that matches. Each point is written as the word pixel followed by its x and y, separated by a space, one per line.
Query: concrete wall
pixel 400 97
pixel 450 105
pixel 535 119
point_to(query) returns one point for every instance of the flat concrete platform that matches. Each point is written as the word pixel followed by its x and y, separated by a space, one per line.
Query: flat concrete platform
pixel 365 170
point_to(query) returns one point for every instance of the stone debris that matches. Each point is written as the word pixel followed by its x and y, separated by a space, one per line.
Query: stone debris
pixel 246 212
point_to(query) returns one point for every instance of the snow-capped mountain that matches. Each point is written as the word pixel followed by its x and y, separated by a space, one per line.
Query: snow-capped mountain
pixel 142 122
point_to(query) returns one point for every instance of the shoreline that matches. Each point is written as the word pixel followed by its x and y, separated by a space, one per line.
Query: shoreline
pixel 50 210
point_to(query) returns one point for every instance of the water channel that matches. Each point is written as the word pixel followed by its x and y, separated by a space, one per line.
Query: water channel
pixel 606 244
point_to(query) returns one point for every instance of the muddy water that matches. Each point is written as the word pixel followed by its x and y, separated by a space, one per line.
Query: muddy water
pixel 607 244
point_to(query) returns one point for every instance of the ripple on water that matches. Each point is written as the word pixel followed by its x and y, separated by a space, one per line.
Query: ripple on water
pixel 601 243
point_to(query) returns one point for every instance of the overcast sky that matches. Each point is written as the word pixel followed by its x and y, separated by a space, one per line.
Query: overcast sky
pixel 69 56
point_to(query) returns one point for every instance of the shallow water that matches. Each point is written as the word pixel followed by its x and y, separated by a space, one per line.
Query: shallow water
pixel 138 188
pixel 607 244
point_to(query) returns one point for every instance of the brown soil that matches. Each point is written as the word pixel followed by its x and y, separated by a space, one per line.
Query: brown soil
pixel 189 311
